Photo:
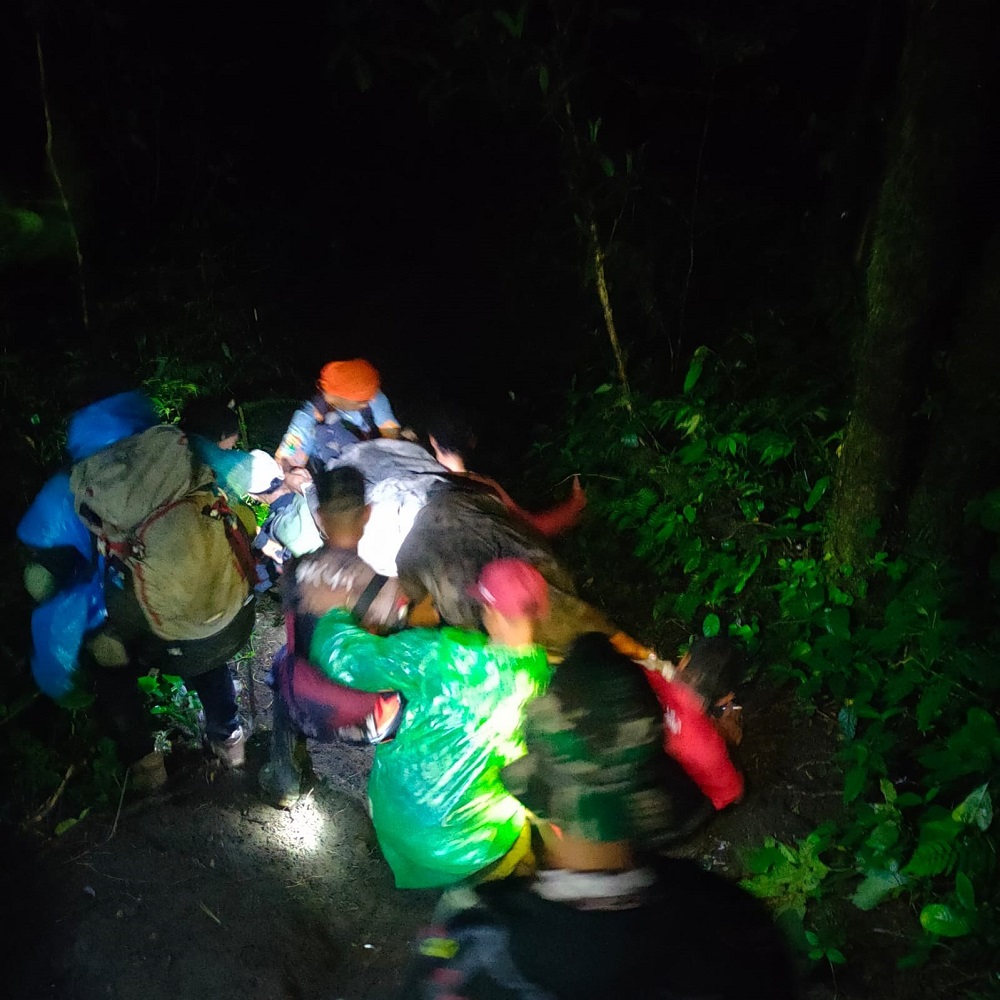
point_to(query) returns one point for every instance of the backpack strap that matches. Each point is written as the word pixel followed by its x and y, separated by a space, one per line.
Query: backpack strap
pixel 368 595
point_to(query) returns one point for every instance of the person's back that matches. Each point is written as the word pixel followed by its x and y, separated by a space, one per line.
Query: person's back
pixel 439 810
pixel 602 917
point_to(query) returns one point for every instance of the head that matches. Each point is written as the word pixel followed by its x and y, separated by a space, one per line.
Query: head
pixel 342 511
pixel 594 748
pixel 451 438
pixel 714 667
pixel 514 598
pixel 261 477
pixel 348 385
pixel 213 418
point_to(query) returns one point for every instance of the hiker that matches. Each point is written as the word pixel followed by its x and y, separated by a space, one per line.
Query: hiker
pixel 290 527
pixel 603 915
pixel 213 418
pixel 348 407
pixel 452 441
pixel 439 810
pixel 436 532
pixel 306 702
pixel 155 571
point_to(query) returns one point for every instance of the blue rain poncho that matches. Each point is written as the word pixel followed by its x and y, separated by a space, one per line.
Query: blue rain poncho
pixel 438 806
pixel 60 625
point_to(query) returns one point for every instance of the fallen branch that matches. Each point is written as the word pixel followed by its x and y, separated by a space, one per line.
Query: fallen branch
pixel 52 800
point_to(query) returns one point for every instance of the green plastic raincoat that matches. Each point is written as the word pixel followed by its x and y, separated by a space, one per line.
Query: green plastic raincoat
pixel 439 808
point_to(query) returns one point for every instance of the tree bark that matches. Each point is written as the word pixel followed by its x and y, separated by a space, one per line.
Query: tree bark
pixel 920 237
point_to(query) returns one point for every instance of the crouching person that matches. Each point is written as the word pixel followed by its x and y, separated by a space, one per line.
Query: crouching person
pixel 439 809
pixel 307 704
pixel 602 916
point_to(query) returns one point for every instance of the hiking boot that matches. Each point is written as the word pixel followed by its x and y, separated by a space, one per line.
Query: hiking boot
pixel 232 751
pixel 149 774
pixel 280 785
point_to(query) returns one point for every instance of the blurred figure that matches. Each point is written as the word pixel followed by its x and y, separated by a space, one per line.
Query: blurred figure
pixel 290 528
pixel 306 702
pixel 148 567
pixel 602 917
pixel 348 407
pixel 439 809
pixel 699 718
pixel 213 418
pixel 453 441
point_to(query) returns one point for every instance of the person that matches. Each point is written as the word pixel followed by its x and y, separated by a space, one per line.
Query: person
pixel 349 406
pixel 290 528
pixel 452 441
pixel 186 607
pixel 306 703
pixel 604 915
pixel 213 418
pixel 436 533
pixel 437 804
pixel 699 718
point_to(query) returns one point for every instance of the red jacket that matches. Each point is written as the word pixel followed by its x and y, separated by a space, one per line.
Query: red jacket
pixel 691 739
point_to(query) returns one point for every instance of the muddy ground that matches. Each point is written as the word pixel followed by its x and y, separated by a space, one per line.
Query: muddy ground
pixel 206 892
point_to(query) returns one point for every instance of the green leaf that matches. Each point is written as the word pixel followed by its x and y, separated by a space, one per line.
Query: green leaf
pixel 66 824
pixel 710 626
pixel 543 79
pixel 931 702
pixel 854 782
pixel 693 372
pixel 837 621
pixel 848 720
pixel 607 165
pixel 514 28
pixel 875 887
pixel 606 387
pixel 817 492
pixel 976 809
pixel 941 919
pixel 835 956
pixel 963 889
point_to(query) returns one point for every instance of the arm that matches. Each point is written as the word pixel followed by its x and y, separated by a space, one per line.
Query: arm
pixel 562 516
pixel 346 653
pixel 692 740
pixel 299 440
pixel 383 417
pixel 549 522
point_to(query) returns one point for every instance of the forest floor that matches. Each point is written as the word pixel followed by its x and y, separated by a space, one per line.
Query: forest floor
pixel 205 891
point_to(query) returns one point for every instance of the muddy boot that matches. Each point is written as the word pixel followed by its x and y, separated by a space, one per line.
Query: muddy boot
pixel 149 774
pixel 281 779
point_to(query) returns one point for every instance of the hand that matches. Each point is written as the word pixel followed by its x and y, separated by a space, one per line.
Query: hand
pixel 297 478
pixel 410 434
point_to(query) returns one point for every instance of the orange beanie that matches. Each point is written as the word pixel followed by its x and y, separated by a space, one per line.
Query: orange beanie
pixel 357 380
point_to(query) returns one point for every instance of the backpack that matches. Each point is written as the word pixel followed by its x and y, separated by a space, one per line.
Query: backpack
pixel 157 513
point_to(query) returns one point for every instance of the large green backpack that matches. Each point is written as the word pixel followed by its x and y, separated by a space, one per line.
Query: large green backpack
pixel 157 511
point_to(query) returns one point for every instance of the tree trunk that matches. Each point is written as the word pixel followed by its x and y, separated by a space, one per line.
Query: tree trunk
pixel 920 237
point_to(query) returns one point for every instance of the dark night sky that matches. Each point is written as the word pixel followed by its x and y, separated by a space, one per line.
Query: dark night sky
pixel 431 245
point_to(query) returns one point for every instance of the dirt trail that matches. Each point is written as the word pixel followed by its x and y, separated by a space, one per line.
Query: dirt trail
pixel 207 892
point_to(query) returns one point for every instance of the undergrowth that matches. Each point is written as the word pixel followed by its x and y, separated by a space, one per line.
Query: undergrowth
pixel 722 491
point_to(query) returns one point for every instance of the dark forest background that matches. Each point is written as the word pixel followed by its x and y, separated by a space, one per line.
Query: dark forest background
pixel 736 262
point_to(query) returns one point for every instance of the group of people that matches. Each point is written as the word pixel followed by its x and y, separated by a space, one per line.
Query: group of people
pixel 524 745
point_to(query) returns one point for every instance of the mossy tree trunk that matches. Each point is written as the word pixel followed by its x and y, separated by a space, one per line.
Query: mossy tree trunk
pixel 920 239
